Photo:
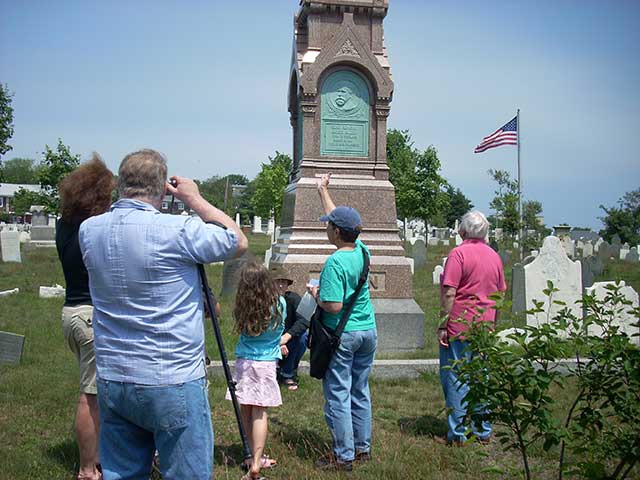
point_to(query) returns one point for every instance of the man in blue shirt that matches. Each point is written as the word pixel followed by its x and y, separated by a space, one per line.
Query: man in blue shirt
pixel 148 321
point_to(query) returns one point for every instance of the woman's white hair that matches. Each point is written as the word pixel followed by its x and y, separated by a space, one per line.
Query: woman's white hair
pixel 474 225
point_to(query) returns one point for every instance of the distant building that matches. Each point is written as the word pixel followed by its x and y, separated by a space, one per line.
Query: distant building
pixel 177 207
pixel 8 191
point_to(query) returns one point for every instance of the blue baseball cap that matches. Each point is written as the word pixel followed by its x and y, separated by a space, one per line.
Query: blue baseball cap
pixel 346 218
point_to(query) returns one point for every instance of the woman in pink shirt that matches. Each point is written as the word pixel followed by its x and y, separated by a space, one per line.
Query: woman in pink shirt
pixel 472 273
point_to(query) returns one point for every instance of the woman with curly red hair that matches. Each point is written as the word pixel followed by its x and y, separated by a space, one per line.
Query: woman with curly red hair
pixel 85 192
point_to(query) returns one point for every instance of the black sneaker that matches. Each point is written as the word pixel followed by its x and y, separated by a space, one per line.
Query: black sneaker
pixel 362 457
pixel 329 462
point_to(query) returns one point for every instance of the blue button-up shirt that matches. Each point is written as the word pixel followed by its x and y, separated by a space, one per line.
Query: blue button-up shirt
pixel 147 297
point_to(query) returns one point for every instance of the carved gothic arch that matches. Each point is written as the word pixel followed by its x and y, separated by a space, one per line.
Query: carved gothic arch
pixel 348 49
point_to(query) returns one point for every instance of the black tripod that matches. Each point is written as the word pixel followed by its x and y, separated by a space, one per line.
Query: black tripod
pixel 231 384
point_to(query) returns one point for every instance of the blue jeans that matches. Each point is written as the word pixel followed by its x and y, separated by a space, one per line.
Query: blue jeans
pixel 135 420
pixel 289 364
pixel 347 406
pixel 455 391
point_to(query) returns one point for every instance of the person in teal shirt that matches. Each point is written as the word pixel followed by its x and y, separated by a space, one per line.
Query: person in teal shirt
pixel 346 384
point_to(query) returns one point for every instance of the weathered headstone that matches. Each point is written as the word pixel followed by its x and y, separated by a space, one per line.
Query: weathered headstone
pixel 55 291
pixel 596 245
pixel 6 293
pixel 595 265
pixel 38 216
pixel 340 90
pixel 231 272
pixel 43 233
pixel 568 245
pixel 437 274
pixel 587 274
pixel 271 226
pixel 10 246
pixel 458 239
pixel 505 256
pixel 604 251
pixel 632 256
pixel 587 249
pixel 551 264
pixel 11 346
pixel 267 257
pixel 238 221
pixel 418 252
pixel 621 316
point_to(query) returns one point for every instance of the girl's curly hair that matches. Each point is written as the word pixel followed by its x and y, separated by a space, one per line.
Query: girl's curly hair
pixel 256 301
pixel 86 191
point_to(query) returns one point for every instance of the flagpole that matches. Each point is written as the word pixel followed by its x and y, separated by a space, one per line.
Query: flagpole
pixel 521 239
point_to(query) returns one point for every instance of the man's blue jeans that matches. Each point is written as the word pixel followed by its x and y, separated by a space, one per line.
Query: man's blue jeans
pixel 347 407
pixel 289 364
pixel 455 391
pixel 135 420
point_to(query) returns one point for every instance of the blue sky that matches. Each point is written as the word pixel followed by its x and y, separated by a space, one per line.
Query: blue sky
pixel 205 82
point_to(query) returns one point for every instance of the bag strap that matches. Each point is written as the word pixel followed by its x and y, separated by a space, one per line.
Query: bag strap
pixel 363 279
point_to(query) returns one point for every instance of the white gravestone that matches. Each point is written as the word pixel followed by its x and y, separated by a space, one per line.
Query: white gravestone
pixel 257 224
pixel 552 264
pixel 10 246
pixel 458 240
pixel 569 246
pixel 587 249
pixel 271 226
pixel 623 319
pixel 437 273
pixel 596 246
pixel 267 257
pixel 238 223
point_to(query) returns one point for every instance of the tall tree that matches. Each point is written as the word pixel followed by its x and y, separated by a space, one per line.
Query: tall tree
pixel 54 167
pixel 6 121
pixel 420 190
pixel 401 159
pixel 505 202
pixel 20 170
pixel 431 187
pixel 219 191
pixel 532 221
pixel 624 219
pixel 269 186
pixel 458 205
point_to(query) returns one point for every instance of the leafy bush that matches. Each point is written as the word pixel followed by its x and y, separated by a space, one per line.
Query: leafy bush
pixel 601 426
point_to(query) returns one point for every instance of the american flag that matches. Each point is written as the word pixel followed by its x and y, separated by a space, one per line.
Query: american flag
pixel 505 135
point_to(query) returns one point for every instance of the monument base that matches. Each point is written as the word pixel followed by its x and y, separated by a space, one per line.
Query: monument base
pixel 400 323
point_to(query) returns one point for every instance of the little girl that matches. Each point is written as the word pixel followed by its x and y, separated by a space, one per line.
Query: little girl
pixel 259 315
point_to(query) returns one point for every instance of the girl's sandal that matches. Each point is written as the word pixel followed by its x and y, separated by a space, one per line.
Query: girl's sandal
pixel 265 462
pixel 291 384
pixel 247 476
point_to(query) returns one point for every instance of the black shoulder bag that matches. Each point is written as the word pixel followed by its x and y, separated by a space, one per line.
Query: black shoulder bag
pixel 323 342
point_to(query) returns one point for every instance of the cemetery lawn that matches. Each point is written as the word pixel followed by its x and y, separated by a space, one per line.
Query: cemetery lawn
pixel 37 399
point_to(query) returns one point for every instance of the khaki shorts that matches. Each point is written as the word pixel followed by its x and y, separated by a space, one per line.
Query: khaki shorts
pixel 78 330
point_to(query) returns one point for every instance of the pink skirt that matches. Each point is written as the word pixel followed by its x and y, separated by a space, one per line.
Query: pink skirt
pixel 256 383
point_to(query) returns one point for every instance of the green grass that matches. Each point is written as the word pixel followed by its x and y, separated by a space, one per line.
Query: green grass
pixel 37 400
